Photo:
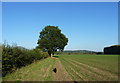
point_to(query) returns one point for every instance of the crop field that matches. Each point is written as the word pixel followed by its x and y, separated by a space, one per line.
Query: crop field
pixel 69 68
pixel 91 67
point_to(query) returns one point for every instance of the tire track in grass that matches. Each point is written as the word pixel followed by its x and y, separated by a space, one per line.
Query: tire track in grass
pixel 87 75
pixel 104 73
pixel 31 75
pixel 91 76
pixel 40 70
pixel 61 74
pixel 47 71
pixel 81 77
pixel 102 66
pixel 75 75
pixel 32 72
pixel 46 74
pixel 71 73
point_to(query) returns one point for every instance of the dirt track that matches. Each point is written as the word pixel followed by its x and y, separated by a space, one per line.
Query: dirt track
pixel 61 74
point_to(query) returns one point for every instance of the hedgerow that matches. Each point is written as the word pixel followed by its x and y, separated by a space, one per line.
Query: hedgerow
pixel 14 57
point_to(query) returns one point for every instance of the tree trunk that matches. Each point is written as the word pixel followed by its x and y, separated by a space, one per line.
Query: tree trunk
pixel 49 53
pixel 53 53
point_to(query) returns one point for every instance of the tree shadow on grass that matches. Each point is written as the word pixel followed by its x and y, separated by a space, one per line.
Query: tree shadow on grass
pixel 56 56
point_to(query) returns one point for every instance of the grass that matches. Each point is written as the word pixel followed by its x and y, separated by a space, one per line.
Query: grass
pixel 37 71
pixel 104 67
pixel 109 63
pixel 79 68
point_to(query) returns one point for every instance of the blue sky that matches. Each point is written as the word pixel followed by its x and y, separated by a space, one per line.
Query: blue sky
pixel 60 0
pixel 88 25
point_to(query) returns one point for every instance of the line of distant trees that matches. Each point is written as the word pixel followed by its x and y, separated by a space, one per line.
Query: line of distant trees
pixel 71 52
pixel 115 49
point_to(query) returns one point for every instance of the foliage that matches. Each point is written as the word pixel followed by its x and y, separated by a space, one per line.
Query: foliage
pixel 14 57
pixel 69 52
pixel 51 39
pixel 115 49
pixel 38 71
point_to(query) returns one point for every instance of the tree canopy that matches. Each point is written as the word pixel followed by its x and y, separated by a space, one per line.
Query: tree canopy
pixel 51 39
pixel 115 49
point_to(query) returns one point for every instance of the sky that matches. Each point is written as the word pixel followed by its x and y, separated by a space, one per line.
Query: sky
pixel 87 25
pixel 0 22
pixel 60 0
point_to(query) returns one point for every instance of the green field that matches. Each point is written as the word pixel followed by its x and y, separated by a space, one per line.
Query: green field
pixel 91 67
pixel 69 68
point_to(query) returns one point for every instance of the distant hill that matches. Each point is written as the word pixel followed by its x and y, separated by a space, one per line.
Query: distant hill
pixel 79 51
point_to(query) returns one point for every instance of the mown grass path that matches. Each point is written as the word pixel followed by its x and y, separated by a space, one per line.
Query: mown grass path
pixel 61 74
pixel 38 71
